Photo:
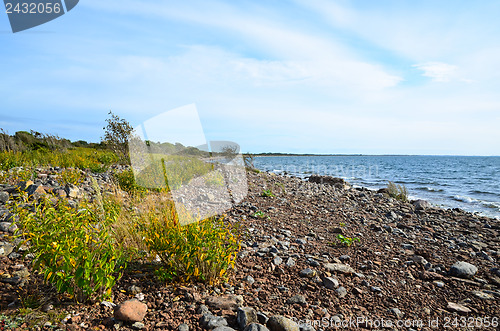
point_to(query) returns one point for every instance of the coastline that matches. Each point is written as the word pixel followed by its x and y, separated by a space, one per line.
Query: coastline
pixel 431 178
pixel 292 264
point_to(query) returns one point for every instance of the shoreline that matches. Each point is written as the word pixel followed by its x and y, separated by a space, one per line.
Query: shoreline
pixel 475 196
pixel 292 264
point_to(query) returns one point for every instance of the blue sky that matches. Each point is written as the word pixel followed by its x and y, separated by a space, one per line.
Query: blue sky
pixel 305 76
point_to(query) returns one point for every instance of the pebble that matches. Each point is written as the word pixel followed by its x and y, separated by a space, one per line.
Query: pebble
pixel 277 260
pixel 297 299
pixel 341 292
pixel 458 308
pixel 290 262
pixel 183 327
pixel 330 283
pixel 309 273
pixel 245 316
pixel 255 327
pixel 339 267
pixel 398 313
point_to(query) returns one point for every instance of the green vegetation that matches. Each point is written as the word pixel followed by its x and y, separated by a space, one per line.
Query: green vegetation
pixel 71 176
pixel 80 157
pixel 81 250
pixel 267 193
pixel 260 214
pixel 204 251
pixel 116 136
pixel 73 249
pixel 346 241
pixel 397 191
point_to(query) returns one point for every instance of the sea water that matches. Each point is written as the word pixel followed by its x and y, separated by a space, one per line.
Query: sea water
pixel 471 183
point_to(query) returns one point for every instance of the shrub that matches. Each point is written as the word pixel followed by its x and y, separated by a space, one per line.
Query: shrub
pixel 126 181
pixel 71 176
pixel 116 135
pixel 347 241
pixel 267 193
pixel 203 251
pixel 73 249
pixel 397 191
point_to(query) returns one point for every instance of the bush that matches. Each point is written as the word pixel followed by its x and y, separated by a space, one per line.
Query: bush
pixel 126 181
pixel 73 249
pixel 397 191
pixel 71 176
pixel 203 251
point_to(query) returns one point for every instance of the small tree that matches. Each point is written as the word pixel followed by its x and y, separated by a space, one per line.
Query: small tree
pixel 116 135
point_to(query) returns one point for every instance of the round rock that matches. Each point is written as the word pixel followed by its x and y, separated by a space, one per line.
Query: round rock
pixel 463 270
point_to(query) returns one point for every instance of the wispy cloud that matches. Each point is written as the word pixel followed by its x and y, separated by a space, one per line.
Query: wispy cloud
pixel 437 71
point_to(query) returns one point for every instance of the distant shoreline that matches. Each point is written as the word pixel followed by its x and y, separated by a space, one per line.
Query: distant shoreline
pixel 409 155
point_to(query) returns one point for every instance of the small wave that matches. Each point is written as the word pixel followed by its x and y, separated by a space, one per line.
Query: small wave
pixel 429 189
pixel 463 198
pixel 484 193
pixel 491 205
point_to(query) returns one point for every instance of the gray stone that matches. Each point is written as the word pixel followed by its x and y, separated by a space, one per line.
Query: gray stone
pixel 277 260
pixel 223 328
pixel 309 273
pixel 344 258
pixel 306 327
pixel 463 269
pixel 138 326
pixel 134 289
pixel 290 262
pixel 8 227
pixel 256 327
pixel 262 318
pixel 419 260
pixel 330 283
pixel 216 321
pixel 245 316
pixel 5 249
pixel 183 327
pixel 341 292
pixel 408 247
pixel 281 323
pixel 298 299
pixel 398 313
pixel 458 308
pixel 72 191
pixel 4 197
pixel 483 295
pixel 339 267
pixel 421 204
pixel 301 241
pixel 249 280
pixel 225 302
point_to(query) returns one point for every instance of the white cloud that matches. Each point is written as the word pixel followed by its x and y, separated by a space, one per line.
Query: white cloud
pixel 438 71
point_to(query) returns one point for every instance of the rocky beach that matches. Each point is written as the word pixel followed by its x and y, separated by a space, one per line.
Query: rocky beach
pixel 315 254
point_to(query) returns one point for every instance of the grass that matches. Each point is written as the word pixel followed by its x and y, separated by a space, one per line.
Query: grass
pixel 397 191
pixel 78 157
pixel 267 193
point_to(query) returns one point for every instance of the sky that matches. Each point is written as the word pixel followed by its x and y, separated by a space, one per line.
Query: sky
pixel 296 76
